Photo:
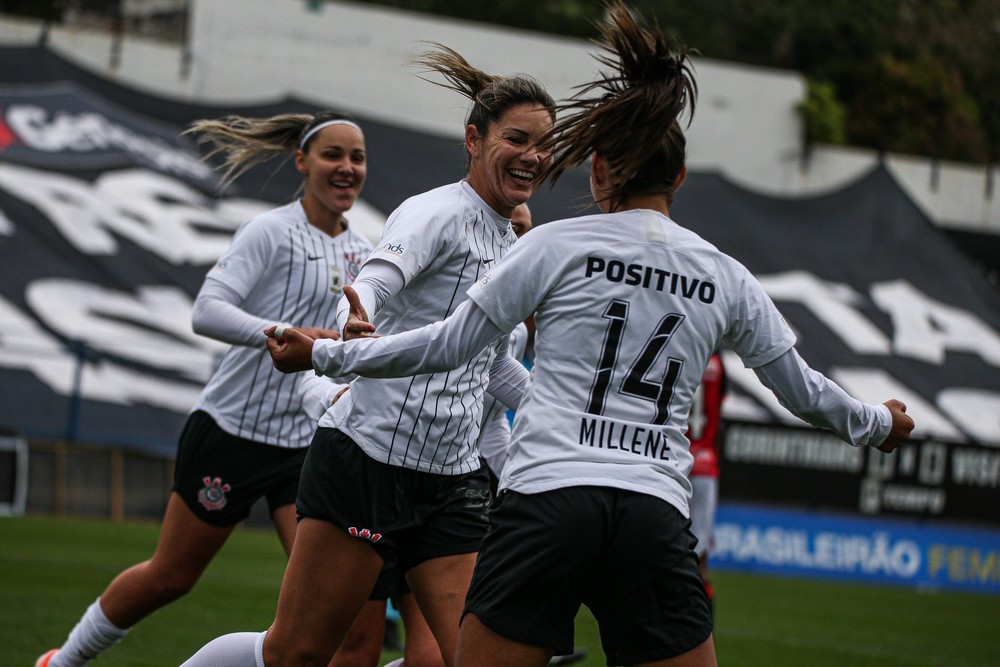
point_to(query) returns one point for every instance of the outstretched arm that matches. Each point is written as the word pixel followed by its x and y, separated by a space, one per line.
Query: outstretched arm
pixel 821 402
pixel 441 346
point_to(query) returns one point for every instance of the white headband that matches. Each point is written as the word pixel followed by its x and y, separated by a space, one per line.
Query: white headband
pixel 302 144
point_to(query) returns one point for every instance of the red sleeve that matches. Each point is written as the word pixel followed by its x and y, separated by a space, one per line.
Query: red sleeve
pixel 706 419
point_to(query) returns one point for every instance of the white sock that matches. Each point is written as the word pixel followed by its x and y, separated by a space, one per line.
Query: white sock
pixel 92 636
pixel 398 662
pixel 239 649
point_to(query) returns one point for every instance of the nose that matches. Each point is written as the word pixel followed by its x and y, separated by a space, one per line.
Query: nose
pixel 344 165
pixel 538 156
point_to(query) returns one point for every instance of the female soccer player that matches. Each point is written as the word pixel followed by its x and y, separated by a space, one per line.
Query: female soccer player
pixel 247 435
pixel 628 306
pixel 393 475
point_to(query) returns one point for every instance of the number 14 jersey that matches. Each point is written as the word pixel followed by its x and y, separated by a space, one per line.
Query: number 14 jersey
pixel 628 307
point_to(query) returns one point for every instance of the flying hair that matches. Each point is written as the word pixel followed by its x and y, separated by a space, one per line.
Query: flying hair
pixel 461 77
pixel 246 142
pixel 630 116
pixel 491 94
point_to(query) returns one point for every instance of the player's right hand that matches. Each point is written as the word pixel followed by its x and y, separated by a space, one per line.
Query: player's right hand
pixel 291 352
pixel 357 325
pixel 902 425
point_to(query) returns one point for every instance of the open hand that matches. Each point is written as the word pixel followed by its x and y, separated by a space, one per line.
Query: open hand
pixel 902 425
pixel 357 325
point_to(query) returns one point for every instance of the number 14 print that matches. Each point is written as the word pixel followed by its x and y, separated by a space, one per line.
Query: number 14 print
pixel 636 383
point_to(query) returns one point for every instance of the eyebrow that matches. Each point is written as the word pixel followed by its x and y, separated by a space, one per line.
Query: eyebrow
pixel 341 147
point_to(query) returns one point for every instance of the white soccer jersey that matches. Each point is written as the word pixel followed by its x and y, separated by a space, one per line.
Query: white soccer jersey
pixel 443 241
pixel 628 308
pixel 285 270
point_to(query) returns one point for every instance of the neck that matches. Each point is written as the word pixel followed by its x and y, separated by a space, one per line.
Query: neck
pixel 322 218
pixel 505 210
pixel 652 202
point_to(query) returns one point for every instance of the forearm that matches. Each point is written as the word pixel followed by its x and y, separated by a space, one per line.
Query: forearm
pixel 318 394
pixel 813 397
pixel 508 378
pixel 441 346
pixel 217 315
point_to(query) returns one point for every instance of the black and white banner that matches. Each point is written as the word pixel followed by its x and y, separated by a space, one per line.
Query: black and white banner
pixel 109 221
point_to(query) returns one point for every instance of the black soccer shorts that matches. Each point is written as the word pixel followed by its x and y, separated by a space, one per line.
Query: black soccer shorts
pixel 628 556
pixel 220 476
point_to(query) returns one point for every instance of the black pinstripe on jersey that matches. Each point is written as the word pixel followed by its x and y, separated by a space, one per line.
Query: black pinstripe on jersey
pixel 430 422
pixel 246 394
pixel 441 435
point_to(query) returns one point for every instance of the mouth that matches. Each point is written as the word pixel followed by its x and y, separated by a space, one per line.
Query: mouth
pixel 343 184
pixel 521 176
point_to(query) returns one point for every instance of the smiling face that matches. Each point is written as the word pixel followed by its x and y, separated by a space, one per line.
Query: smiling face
pixel 506 160
pixel 335 165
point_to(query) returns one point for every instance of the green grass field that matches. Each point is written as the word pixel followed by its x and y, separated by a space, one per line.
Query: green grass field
pixel 51 569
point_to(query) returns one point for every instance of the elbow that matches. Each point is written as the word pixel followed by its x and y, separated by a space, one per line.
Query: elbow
pixel 198 319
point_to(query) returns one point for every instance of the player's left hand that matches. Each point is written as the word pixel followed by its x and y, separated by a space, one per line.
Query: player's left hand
pixel 902 425
pixel 291 352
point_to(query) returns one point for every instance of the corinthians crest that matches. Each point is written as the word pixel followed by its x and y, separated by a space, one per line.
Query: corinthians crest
pixel 213 495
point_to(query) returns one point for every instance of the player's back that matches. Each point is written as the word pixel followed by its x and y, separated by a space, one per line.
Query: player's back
pixel 633 307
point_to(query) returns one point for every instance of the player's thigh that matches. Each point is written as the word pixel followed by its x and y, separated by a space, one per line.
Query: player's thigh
pixel 421 649
pixel 702 655
pixel 187 544
pixel 440 586
pixel 478 646
pixel 327 581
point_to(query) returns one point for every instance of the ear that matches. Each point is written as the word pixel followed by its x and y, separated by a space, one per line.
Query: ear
pixel 300 161
pixel 598 171
pixel 680 178
pixel 472 140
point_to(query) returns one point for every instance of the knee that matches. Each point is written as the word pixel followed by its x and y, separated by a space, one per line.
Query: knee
pixel 293 656
pixel 169 586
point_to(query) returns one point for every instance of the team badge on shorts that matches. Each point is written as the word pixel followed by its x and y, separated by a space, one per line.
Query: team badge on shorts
pixel 364 534
pixel 213 495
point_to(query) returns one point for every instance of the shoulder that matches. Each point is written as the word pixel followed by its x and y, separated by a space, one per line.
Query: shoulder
pixel 438 200
pixel 429 216
pixel 274 221
pixel 706 253
pixel 568 237
pixel 354 241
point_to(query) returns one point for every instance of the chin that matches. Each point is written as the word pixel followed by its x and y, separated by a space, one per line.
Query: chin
pixel 518 198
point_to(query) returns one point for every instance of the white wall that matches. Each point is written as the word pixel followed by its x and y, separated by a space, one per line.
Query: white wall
pixel 358 58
